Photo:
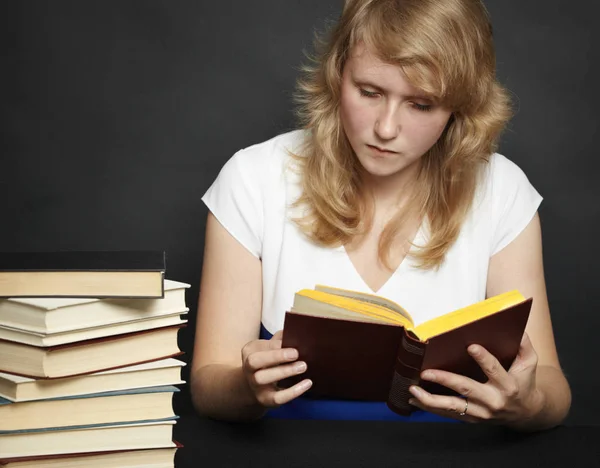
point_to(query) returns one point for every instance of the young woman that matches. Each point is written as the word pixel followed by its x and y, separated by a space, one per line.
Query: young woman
pixel 391 186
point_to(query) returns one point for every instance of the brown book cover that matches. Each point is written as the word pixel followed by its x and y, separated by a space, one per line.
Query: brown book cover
pixel 378 361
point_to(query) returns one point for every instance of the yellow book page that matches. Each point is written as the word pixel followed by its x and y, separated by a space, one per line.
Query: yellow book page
pixel 357 306
pixel 466 315
pixel 364 297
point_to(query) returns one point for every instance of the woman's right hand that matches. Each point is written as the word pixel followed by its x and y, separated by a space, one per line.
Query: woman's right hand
pixel 264 363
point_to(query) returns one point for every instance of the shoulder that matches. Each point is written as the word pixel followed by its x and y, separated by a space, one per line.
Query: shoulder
pixel 507 201
pixel 501 167
pixel 249 185
pixel 502 177
pixel 258 169
pixel 268 156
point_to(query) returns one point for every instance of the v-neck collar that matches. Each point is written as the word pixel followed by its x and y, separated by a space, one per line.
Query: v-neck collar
pixel 402 266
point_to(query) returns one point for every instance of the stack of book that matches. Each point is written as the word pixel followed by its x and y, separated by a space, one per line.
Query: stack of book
pixel 87 359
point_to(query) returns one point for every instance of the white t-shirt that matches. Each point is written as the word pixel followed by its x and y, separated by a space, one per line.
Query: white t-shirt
pixel 251 198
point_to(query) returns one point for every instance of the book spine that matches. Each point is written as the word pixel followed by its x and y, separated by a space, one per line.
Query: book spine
pixel 407 372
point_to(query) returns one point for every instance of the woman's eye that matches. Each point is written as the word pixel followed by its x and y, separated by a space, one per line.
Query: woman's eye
pixel 422 107
pixel 366 93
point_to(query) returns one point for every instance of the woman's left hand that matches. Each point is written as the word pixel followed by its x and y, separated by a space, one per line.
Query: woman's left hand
pixel 508 397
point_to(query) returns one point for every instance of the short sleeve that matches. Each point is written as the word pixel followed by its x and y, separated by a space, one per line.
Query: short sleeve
pixel 514 202
pixel 235 199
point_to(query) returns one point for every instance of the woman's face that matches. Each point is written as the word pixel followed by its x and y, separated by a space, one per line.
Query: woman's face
pixel 389 123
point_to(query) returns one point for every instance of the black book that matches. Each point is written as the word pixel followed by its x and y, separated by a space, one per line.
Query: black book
pixel 97 274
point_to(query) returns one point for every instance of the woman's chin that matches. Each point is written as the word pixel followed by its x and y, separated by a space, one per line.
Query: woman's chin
pixel 379 169
pixel 385 170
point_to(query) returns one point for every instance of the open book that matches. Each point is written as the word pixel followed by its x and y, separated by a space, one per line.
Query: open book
pixel 363 346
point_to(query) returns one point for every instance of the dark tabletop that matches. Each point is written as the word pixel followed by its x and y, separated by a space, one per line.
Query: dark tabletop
pixel 289 443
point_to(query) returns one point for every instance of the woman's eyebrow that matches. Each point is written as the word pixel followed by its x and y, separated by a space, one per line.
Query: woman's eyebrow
pixel 369 83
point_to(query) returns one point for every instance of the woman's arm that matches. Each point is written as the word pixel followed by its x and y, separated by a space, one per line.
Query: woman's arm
pixel 533 394
pixel 232 372
pixel 520 266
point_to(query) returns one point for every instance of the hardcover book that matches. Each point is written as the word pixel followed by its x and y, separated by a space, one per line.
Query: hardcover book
pixel 84 357
pixel 151 374
pixel 98 274
pixel 124 406
pixel 53 315
pixel 155 458
pixel 55 339
pixel 365 347
pixel 85 439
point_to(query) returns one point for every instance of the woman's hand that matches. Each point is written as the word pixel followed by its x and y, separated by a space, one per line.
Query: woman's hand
pixel 508 397
pixel 265 363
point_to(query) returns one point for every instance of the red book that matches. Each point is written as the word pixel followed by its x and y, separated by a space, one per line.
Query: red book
pixel 136 457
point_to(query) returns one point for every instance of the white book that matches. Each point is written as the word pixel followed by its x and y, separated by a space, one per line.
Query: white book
pixel 55 339
pixel 123 406
pixel 84 357
pixel 58 315
pixel 100 438
pixel 156 373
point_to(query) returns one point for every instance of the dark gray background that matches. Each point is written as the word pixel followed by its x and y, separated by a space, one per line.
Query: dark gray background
pixel 117 116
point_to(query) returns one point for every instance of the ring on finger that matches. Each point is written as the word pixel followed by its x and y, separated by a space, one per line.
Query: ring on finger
pixel 466 407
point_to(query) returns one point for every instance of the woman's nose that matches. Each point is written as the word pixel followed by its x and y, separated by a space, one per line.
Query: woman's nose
pixel 387 125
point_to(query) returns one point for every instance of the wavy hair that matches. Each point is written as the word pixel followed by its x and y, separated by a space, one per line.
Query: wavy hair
pixel 445 48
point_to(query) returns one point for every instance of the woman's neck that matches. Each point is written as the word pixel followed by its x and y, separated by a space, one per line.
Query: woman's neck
pixel 391 191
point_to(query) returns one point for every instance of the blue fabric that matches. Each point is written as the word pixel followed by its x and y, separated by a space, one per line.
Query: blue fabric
pixel 314 408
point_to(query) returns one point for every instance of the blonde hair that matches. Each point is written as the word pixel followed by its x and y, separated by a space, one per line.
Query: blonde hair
pixel 445 48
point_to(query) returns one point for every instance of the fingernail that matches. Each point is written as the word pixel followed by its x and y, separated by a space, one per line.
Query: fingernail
pixel 474 350
pixel 305 385
pixel 428 376
pixel 299 367
pixel 416 391
pixel 290 354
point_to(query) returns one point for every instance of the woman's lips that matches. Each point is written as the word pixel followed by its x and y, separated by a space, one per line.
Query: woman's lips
pixel 379 150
